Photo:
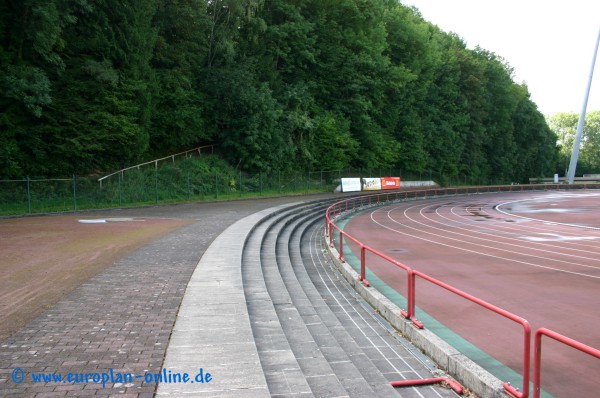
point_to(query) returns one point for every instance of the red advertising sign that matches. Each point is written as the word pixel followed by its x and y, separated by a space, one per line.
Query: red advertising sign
pixel 390 182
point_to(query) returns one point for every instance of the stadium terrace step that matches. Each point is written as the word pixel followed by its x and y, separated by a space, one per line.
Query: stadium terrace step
pixel 287 318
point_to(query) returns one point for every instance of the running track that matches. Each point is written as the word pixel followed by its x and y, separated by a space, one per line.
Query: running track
pixel 536 255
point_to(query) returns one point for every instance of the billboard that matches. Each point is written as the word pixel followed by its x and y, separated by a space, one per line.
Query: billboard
pixel 371 184
pixel 390 182
pixel 351 184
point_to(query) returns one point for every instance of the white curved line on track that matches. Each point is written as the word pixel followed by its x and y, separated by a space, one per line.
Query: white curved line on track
pixel 478 252
pixel 528 229
pixel 538 220
pixel 437 212
pixel 488 240
pixel 532 228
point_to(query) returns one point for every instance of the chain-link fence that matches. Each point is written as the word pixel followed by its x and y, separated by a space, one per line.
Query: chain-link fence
pixel 144 187
pixel 185 181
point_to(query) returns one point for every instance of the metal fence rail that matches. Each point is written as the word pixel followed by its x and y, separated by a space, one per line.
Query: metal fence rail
pixel 537 362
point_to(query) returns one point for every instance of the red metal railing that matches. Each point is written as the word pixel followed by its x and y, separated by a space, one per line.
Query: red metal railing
pixel 537 362
pixel 523 322
pixel 351 204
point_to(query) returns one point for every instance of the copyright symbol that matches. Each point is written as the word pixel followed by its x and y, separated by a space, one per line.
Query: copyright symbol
pixel 18 375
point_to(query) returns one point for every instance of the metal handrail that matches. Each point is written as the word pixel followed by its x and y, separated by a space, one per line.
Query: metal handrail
pixel 537 361
pixel 155 161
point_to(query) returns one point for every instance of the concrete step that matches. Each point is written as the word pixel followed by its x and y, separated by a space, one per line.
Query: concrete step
pixel 322 323
pixel 314 335
pixel 390 357
pixel 280 366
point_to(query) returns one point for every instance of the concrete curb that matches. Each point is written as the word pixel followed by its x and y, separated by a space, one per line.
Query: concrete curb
pixel 463 369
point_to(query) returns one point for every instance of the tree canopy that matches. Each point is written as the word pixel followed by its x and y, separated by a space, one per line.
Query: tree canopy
pixel 564 125
pixel 90 86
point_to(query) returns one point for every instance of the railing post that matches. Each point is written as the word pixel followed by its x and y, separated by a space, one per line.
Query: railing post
pixel 216 185
pixel 363 266
pixel 526 365
pixel 331 235
pixel 156 184
pixel 120 175
pixel 412 292
pixel 537 364
pixel 341 251
pixel 537 360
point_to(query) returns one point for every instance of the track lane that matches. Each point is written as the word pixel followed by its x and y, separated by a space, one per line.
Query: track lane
pixel 470 245
pixel 541 281
pixel 573 238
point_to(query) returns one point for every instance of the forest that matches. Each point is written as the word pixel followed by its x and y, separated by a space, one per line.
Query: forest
pixel 91 86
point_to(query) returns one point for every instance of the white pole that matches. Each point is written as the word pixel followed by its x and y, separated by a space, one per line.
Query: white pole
pixel 576 143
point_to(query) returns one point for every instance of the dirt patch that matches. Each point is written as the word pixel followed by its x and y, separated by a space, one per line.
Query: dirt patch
pixel 44 258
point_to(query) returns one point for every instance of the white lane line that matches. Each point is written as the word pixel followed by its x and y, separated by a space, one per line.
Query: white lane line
pixel 530 226
pixel 437 212
pixel 320 273
pixel 499 209
pixel 490 240
pixel 480 253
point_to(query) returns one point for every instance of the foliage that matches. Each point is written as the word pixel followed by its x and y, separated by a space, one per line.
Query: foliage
pixel 276 85
pixel 564 126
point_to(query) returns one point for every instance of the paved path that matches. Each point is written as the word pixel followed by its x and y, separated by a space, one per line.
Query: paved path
pixel 122 318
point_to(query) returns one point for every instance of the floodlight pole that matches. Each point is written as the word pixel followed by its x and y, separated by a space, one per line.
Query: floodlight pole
pixel 576 143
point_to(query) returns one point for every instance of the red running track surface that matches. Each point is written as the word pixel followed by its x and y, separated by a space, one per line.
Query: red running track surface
pixel 536 255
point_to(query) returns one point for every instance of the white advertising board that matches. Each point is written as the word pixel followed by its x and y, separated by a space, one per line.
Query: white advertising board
pixel 351 184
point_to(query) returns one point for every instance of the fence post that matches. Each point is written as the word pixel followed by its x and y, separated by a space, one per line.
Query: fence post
pixel 120 193
pixel 216 185
pixel 331 235
pixel 156 183
pixel 28 196
pixel 411 295
pixel 189 188
pixel 363 266
pixel 74 192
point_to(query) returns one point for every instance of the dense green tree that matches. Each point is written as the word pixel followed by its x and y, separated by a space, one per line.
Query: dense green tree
pixel 474 164
pixel 537 152
pixel 564 125
pixel 178 63
pixel 445 118
pixel 101 109
pixel 32 40
pixel 413 55
pixel 275 84
pixel 352 73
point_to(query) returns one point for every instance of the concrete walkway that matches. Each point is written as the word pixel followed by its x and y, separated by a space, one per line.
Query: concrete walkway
pixel 120 320
pixel 213 330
